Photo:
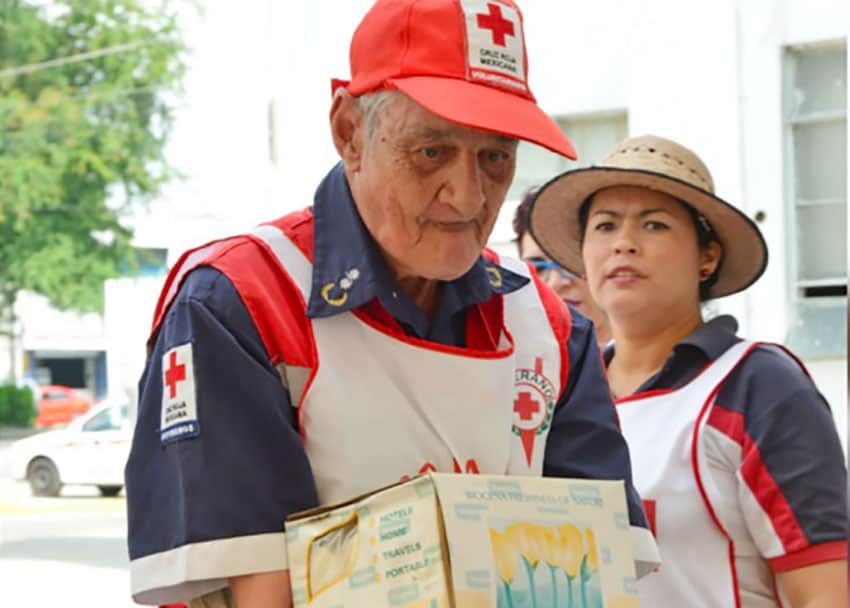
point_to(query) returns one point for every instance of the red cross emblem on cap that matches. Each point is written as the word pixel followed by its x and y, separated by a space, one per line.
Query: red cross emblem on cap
pixel 494 21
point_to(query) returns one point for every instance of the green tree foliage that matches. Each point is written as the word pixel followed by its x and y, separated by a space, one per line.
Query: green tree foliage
pixel 85 93
pixel 17 406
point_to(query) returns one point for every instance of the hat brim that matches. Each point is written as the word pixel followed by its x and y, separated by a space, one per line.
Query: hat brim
pixel 488 109
pixel 554 222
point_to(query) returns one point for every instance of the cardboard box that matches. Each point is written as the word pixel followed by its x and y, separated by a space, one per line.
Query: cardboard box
pixel 468 541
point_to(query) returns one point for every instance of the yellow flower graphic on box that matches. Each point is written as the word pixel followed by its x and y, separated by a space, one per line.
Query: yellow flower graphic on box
pixel 562 549
pixel 526 539
pixel 504 555
pixel 572 549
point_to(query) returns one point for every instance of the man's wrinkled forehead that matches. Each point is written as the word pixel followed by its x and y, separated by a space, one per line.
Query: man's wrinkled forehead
pixel 410 120
pixel 437 134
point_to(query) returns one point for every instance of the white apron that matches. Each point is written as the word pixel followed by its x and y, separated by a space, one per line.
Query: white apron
pixel 699 527
pixel 397 406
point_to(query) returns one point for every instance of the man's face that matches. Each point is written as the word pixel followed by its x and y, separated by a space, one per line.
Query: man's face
pixel 429 190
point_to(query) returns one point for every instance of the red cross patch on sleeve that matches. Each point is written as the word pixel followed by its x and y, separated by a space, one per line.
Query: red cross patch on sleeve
pixel 179 416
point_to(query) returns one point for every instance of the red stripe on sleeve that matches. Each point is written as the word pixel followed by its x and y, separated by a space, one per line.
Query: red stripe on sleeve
pixel 815 554
pixel 759 480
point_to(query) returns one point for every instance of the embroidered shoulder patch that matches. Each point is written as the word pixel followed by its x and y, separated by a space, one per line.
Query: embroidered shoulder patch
pixel 179 416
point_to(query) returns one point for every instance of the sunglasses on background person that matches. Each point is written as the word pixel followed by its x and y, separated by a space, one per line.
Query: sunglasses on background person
pixel 545 267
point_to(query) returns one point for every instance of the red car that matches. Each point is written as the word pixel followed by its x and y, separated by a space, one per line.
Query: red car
pixel 59 405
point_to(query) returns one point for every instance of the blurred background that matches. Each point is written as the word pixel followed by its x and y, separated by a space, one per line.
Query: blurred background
pixel 133 129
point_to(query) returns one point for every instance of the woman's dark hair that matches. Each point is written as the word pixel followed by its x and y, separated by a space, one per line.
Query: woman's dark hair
pixel 705 235
pixel 520 221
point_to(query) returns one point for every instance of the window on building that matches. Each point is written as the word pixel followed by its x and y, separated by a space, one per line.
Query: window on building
pixel 815 111
pixel 592 135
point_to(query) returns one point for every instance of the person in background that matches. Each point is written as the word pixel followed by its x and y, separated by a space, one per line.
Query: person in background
pixel 735 451
pixel 572 288
pixel 368 337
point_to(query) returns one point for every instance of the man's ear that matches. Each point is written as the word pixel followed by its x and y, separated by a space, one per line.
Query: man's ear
pixel 347 129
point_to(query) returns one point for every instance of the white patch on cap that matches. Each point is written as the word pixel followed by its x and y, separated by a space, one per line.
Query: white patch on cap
pixel 179 416
pixel 495 44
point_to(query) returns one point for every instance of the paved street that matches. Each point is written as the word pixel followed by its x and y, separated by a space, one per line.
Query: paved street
pixel 66 551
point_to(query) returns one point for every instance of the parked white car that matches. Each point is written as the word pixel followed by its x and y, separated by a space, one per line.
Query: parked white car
pixel 91 450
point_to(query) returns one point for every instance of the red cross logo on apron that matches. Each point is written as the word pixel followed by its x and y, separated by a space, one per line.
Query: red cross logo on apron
pixel 525 406
pixel 532 406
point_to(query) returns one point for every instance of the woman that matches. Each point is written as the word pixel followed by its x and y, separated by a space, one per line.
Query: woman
pixel 734 450
pixel 572 288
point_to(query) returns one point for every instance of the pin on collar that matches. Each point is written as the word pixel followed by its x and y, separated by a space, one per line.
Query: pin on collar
pixel 345 284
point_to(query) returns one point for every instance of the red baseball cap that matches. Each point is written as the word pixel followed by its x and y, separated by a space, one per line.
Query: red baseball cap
pixel 463 60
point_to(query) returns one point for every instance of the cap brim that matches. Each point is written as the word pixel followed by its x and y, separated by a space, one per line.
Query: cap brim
pixel 488 109
pixel 554 222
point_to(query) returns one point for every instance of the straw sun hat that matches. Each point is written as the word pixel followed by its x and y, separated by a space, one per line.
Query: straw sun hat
pixel 658 164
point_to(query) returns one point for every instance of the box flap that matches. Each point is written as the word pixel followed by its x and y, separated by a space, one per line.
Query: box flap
pixel 308 513
pixel 383 549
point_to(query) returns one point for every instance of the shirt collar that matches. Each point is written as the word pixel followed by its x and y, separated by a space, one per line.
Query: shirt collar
pixel 712 339
pixel 349 269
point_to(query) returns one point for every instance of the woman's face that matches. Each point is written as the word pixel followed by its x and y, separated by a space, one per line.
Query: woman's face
pixel 571 288
pixel 642 257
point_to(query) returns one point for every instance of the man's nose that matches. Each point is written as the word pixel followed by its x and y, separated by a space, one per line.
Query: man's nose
pixel 464 188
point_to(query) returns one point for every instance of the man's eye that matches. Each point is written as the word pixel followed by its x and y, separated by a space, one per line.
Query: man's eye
pixel 431 152
pixel 495 156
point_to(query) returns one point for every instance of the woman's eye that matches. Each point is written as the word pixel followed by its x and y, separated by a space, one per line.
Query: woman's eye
pixel 652 225
pixel 604 226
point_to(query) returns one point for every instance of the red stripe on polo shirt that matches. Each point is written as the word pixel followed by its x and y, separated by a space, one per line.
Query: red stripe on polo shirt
pixel 271 297
pixel 188 261
pixel 759 480
pixel 814 554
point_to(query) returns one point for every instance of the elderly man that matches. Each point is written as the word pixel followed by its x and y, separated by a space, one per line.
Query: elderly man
pixel 369 337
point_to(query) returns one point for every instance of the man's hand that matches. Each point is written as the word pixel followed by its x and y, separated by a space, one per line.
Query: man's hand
pixel 266 590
